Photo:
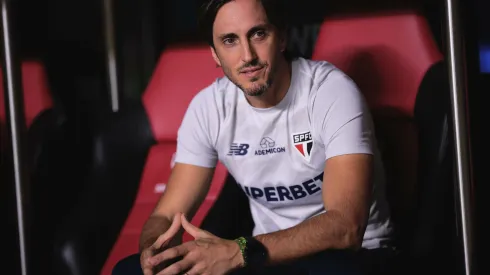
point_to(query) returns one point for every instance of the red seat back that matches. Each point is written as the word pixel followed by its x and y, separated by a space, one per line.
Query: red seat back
pixel 37 97
pixel 396 49
pixel 179 75
pixel 387 55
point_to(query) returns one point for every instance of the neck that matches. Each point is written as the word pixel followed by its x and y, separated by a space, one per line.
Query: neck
pixel 277 91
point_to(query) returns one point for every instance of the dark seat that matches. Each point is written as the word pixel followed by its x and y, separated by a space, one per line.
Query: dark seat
pixel 132 162
pixel 394 60
pixel 45 152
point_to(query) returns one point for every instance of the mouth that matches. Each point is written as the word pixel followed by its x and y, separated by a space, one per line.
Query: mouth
pixel 251 71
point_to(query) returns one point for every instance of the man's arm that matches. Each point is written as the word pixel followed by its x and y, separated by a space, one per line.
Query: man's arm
pixel 185 191
pixel 191 176
pixel 346 194
pixel 343 123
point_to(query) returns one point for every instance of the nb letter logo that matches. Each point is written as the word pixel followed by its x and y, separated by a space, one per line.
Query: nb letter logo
pixel 238 149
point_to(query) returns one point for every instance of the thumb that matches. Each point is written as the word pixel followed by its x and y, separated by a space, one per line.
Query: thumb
pixel 194 231
pixel 169 234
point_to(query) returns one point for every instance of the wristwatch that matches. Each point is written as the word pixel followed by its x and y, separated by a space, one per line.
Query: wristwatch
pixel 254 252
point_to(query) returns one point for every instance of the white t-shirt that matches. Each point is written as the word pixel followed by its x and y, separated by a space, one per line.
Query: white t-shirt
pixel 277 155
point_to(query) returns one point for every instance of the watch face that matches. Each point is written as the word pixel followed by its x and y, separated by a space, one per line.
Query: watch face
pixel 256 253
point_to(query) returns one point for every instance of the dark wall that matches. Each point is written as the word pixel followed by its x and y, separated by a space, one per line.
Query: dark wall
pixel 483 17
pixel 69 36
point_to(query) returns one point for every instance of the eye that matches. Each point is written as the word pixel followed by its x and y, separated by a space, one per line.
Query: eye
pixel 229 41
pixel 260 34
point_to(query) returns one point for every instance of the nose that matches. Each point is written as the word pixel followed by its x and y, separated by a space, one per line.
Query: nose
pixel 248 52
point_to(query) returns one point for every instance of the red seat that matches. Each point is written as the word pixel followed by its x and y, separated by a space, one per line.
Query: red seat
pixel 395 61
pixel 37 100
pixel 398 47
pixel 388 56
pixel 44 151
pixel 37 97
pixel 181 73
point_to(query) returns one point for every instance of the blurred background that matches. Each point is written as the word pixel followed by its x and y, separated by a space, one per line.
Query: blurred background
pixel 84 68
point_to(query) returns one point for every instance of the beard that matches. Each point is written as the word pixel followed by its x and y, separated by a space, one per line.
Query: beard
pixel 256 89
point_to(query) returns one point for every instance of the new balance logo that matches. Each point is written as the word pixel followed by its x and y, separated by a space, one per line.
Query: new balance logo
pixel 237 149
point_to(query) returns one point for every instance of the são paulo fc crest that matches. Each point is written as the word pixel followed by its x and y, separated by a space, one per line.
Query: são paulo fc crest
pixel 303 144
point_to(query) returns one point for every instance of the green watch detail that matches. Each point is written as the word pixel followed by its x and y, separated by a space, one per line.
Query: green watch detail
pixel 242 243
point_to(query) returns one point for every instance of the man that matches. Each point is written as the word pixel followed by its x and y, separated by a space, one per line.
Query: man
pixel 298 139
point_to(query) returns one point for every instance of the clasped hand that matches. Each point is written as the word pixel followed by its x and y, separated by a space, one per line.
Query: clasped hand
pixel 207 254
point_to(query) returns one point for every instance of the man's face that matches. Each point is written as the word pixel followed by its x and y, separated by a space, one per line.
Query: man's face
pixel 246 46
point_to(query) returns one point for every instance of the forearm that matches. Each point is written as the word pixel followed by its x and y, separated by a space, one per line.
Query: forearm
pixel 153 228
pixel 326 231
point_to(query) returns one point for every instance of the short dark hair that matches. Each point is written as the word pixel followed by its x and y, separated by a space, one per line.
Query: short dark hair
pixel 275 10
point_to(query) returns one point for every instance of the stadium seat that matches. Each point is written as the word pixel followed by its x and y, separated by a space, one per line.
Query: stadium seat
pixel 395 61
pixel 46 161
pixel 132 161
pixel 37 97
pixel 181 73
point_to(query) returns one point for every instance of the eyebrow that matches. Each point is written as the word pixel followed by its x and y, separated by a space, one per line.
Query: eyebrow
pixel 249 32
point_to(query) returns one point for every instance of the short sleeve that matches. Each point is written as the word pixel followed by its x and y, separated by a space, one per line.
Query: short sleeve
pixel 341 118
pixel 194 138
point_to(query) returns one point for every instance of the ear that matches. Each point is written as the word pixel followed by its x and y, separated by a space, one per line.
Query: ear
pixel 215 57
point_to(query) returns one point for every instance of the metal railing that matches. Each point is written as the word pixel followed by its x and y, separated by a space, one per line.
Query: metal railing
pixel 14 108
pixel 110 44
pixel 456 68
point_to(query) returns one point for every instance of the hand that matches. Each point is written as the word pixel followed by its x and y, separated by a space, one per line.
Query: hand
pixel 207 254
pixel 158 245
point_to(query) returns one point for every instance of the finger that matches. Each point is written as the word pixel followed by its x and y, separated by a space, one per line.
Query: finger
pixel 199 268
pixel 169 254
pixel 145 265
pixel 178 267
pixel 169 234
pixel 194 231
pixel 147 271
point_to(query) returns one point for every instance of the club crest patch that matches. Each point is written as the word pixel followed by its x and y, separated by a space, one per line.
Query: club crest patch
pixel 303 144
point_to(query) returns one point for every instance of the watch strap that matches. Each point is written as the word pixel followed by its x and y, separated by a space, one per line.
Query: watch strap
pixel 242 243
